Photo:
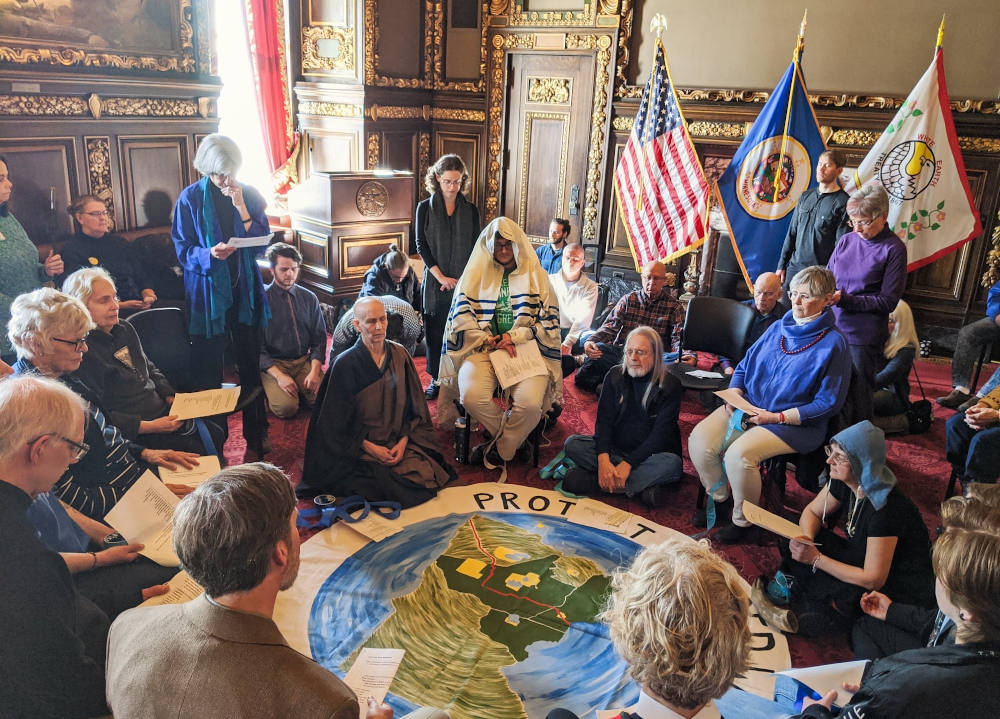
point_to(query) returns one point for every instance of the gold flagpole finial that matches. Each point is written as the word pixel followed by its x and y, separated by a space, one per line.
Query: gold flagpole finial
pixel 658 24
pixel 940 37
pixel 800 42
pixel 802 27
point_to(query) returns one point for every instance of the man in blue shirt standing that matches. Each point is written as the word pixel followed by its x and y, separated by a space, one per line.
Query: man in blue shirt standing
pixel 291 358
pixel 550 255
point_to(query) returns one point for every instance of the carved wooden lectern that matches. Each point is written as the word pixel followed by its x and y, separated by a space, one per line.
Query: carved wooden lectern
pixel 344 220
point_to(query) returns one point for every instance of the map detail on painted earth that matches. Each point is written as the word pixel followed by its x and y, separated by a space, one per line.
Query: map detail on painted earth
pixel 496 583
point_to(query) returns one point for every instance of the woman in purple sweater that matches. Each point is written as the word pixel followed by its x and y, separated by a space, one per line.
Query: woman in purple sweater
pixel 870 267
pixel 797 373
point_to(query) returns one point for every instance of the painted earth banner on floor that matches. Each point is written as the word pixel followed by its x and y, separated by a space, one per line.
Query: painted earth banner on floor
pixel 494 591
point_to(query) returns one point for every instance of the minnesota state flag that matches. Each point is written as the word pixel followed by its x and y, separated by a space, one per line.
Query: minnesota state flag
pixel 770 170
pixel 918 161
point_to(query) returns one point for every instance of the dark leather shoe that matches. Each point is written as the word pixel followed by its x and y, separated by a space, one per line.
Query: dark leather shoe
pixel 735 534
pixel 968 404
pixel 953 399
pixel 723 511
pixel 432 390
pixel 653 497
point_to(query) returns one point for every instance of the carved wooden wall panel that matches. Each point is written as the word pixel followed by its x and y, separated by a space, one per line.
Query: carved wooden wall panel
pixel 155 170
pixel 44 173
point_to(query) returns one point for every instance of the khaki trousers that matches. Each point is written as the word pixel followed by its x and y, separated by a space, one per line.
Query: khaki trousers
pixel 280 402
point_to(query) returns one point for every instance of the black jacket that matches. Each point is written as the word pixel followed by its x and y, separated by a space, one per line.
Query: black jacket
pixel 633 431
pixel 958 680
pixel 378 283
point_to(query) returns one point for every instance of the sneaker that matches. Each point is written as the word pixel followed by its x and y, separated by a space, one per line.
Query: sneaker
pixel 773 616
pixel 954 398
pixel 968 404
pixel 432 390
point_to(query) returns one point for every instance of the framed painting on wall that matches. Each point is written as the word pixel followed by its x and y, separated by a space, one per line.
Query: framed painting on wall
pixel 155 35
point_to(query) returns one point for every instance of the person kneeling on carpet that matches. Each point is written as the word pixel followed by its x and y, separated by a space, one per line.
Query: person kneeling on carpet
pixel 886 548
pixel 236 536
pixel 636 445
pixel 503 301
pixel 679 618
pixel 371 433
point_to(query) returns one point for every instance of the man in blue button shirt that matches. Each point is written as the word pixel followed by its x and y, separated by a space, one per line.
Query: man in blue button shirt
pixel 550 255
pixel 291 358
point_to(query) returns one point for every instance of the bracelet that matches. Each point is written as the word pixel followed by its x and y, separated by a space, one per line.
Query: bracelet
pixel 816 562
pixel 94 565
pixel 781 418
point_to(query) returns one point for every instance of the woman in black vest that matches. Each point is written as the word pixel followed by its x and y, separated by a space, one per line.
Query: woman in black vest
pixel 446 228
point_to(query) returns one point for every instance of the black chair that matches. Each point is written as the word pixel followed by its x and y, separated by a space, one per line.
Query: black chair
pixel 164 336
pixel 717 325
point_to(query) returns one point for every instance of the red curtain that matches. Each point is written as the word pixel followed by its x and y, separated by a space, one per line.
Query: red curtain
pixel 265 22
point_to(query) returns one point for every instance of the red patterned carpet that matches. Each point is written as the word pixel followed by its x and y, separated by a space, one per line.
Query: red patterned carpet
pixel 917 460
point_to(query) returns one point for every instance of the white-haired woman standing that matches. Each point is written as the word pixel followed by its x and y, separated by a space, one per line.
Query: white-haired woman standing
pixel 870 267
pixel 226 303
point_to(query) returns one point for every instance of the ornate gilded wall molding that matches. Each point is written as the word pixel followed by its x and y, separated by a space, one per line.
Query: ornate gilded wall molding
pixel 204 16
pixel 372 76
pixel 986 106
pixel 371 151
pixel 716 129
pixel 558 18
pixel 397 112
pixel 29 52
pixel 624 36
pixel 980 144
pixel 342 62
pixel 148 107
pixel 329 109
pixel 54 105
pixel 596 155
pixel 549 90
pixel 440 82
pixel 623 124
pixel 99 172
pixel 855 137
pixel 423 161
pixel 454 113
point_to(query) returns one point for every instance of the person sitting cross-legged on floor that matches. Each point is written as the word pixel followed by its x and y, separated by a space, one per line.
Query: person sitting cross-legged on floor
pixel 679 618
pixel 221 654
pixel 370 433
pixel 503 301
pixel 797 373
pixel 636 445
pixel 294 341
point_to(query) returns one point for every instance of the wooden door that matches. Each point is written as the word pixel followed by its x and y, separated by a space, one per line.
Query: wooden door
pixel 548 140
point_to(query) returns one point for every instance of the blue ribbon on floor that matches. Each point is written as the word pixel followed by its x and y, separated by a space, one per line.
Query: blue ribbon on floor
pixel 346 510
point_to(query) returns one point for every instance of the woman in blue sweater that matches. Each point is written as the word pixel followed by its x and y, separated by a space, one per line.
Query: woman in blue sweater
pixel 797 374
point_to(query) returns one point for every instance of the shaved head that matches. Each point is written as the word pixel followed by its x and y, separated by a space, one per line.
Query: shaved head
pixel 766 292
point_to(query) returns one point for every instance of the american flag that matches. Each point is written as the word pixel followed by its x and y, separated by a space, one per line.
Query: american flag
pixel 660 185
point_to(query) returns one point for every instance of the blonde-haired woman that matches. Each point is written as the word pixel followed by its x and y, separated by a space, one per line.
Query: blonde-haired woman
pixel 892 394
pixel 446 228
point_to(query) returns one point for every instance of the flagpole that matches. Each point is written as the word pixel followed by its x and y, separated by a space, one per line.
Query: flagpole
pixel 796 56
pixel 940 37
pixel 658 25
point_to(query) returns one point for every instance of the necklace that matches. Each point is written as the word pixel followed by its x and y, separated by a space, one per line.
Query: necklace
pixel 854 514
pixel 781 343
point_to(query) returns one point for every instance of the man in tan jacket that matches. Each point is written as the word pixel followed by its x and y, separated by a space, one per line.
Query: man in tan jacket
pixel 222 654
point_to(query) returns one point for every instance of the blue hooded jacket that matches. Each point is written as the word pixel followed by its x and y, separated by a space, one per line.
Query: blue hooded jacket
pixel 864 444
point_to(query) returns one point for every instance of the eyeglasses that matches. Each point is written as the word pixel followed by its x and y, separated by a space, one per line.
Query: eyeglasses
pixel 97 213
pixel 450 183
pixel 835 456
pixel 636 353
pixel 863 223
pixel 795 295
pixel 81 447
pixel 78 345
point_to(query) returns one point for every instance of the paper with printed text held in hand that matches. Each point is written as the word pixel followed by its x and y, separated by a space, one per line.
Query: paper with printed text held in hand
pixel 209 402
pixel 207 466
pixel 511 370
pixel 372 673
pixel 144 515
pixel 238 242
pixel 182 589
pixel 737 400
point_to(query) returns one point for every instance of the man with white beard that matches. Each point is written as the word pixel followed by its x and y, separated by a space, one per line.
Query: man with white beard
pixel 636 445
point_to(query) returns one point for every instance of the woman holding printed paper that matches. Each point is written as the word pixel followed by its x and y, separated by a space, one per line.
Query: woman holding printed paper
pixel 886 549
pixel 226 304
pixel 133 392
pixel 49 330
pixel 797 375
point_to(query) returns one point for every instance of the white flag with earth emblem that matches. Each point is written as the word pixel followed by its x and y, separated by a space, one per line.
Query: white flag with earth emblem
pixel 918 161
